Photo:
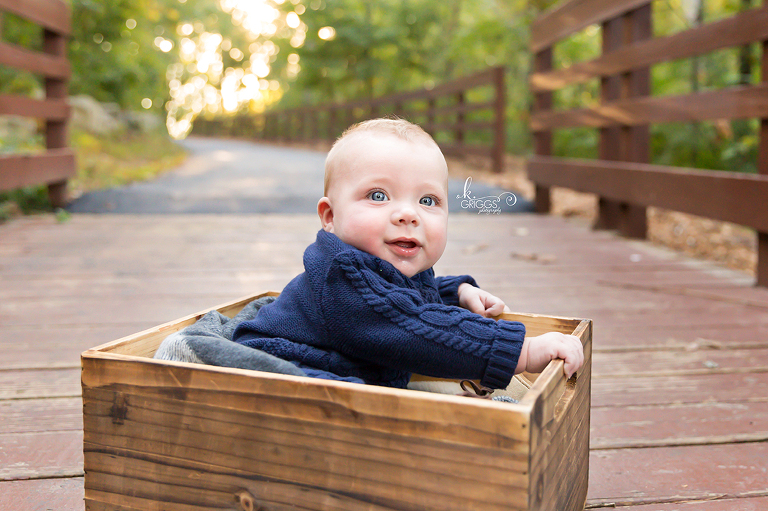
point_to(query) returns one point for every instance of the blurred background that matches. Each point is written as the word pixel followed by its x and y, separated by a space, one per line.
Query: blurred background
pixel 144 70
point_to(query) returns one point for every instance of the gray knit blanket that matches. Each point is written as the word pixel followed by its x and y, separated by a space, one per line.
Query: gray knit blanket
pixel 209 341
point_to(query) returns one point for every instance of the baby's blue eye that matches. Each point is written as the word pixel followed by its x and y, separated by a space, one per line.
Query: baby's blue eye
pixel 378 196
pixel 427 201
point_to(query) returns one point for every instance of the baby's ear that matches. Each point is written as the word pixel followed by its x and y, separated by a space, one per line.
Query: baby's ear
pixel 325 212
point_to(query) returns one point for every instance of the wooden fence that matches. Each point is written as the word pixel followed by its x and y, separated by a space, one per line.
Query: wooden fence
pixel 57 163
pixel 447 111
pixel 622 177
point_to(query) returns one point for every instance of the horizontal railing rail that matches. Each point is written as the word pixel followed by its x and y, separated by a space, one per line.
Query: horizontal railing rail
pixel 459 123
pixel 54 166
pixel 622 177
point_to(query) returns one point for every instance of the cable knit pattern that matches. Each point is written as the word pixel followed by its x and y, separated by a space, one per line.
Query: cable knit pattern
pixel 355 316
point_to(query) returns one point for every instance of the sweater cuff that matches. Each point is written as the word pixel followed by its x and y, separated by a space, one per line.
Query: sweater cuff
pixel 448 287
pixel 504 355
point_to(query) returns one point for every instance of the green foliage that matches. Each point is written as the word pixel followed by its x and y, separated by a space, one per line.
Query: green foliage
pixel 113 62
pixel 31 199
pixel 389 46
pixel 27 35
pixel 379 48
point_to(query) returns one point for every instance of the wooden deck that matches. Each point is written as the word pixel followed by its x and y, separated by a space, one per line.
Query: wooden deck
pixel 680 390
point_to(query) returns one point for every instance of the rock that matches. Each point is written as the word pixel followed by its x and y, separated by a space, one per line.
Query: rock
pixel 13 128
pixel 91 116
pixel 144 122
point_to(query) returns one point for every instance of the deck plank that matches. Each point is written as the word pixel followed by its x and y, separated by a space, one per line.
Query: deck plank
pixel 60 494
pixel 54 454
pixel 680 389
pixel 696 388
pixel 679 424
pixel 652 475
pixel 40 415
pixel 720 504
pixel 41 383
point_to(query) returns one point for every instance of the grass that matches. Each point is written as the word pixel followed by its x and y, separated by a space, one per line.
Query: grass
pixel 103 161
pixel 116 160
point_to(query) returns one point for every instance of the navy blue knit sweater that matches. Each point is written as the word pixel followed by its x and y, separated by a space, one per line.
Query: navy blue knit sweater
pixel 352 316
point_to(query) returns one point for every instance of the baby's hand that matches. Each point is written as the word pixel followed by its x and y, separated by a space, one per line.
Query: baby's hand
pixel 481 302
pixel 538 351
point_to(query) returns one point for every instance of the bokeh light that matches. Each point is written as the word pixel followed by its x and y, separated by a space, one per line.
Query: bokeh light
pixel 200 84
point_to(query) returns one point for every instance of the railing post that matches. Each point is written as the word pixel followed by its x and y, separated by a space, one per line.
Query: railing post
pixel 398 109
pixel 314 124
pixel 332 122
pixel 431 104
pixel 349 116
pixel 458 132
pixel 762 168
pixel 56 130
pixel 609 211
pixel 542 140
pixel 633 222
pixel 499 129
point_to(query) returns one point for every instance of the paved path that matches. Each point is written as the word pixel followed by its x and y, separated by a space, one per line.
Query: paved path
pixel 237 177
pixel 680 391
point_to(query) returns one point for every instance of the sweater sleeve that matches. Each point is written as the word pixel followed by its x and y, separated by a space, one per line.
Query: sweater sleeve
pixel 371 318
pixel 448 287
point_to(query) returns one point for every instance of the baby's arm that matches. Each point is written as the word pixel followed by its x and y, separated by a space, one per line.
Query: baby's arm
pixel 479 301
pixel 538 351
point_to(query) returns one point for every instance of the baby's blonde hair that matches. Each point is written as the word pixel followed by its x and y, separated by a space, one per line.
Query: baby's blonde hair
pixel 400 128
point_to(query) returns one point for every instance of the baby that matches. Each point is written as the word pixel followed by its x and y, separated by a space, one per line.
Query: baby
pixel 368 307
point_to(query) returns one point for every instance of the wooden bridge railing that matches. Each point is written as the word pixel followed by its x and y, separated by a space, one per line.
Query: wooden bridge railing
pixel 622 177
pixel 57 163
pixel 445 111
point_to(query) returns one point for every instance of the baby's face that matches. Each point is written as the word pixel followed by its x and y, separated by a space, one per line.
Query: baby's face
pixel 389 198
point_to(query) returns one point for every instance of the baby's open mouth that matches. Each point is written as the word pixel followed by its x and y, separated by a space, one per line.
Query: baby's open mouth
pixel 405 244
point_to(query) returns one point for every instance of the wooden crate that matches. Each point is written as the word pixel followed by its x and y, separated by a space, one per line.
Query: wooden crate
pixel 174 436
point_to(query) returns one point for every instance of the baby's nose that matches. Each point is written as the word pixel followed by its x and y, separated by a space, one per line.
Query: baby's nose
pixel 405 215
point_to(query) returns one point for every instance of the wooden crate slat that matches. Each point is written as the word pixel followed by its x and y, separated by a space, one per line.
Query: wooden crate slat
pixel 173 487
pixel 731 103
pixel 301 460
pixel 52 166
pixel 51 14
pixel 742 28
pixel 35 62
pixel 50 109
pixel 714 194
pixel 160 409
pixel 570 17
pixel 345 405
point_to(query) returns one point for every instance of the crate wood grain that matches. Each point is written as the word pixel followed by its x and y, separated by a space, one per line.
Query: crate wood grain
pixel 178 436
